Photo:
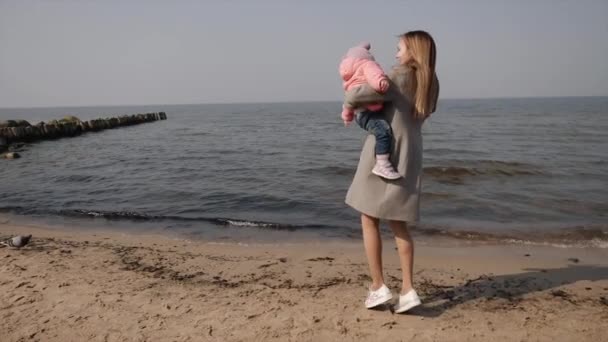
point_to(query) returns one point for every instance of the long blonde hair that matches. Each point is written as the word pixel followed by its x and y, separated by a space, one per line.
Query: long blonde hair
pixel 425 86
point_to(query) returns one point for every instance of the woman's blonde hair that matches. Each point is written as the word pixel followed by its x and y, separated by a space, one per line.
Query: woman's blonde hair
pixel 425 86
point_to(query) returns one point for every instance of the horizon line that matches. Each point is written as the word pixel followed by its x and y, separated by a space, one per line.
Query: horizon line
pixel 291 101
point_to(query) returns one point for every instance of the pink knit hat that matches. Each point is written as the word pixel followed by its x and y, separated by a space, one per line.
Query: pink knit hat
pixel 360 51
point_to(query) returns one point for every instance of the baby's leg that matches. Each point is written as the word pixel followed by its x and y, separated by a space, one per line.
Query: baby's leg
pixel 375 124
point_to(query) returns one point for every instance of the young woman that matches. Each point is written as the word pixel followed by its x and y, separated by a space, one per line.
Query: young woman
pixel 412 97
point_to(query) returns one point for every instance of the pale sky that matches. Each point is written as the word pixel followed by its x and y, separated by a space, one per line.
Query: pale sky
pixel 78 53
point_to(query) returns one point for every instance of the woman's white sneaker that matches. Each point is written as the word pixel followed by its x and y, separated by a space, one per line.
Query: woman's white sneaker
pixel 407 302
pixel 378 297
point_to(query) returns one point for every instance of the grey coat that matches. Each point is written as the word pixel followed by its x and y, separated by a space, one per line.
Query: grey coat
pixel 390 199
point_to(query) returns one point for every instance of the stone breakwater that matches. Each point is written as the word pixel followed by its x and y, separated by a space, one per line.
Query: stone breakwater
pixel 16 131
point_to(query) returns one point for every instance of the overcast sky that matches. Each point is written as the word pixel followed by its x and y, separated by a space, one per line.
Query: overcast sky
pixel 69 53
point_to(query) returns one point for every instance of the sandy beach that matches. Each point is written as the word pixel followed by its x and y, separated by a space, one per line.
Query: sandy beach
pixel 84 285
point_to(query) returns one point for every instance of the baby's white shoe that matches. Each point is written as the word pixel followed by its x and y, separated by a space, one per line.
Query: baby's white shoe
pixel 385 171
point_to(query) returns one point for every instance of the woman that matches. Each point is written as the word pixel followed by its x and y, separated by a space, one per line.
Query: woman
pixel 412 98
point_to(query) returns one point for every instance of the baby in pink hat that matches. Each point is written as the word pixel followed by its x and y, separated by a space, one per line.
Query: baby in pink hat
pixel 359 69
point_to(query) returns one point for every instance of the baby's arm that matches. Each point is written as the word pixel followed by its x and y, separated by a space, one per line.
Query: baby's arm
pixel 348 114
pixel 375 77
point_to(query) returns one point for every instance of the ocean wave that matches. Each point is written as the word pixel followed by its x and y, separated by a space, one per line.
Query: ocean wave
pixel 457 174
pixel 75 178
pixel 136 216
pixel 582 236
pixel 222 221
pixel 448 151
pixel 329 170
pixel 192 134
pixel 437 195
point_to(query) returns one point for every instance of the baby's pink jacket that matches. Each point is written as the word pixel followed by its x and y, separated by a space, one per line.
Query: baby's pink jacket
pixel 358 67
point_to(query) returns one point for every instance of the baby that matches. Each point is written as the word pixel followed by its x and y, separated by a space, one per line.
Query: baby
pixel 359 69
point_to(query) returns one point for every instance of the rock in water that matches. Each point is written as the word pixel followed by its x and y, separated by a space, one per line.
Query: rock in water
pixel 70 119
pixel 18 241
pixel 12 155
pixel 8 123
pixel 3 144
pixel 22 123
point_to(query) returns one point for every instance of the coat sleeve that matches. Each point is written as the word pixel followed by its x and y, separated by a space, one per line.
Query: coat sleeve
pixel 361 96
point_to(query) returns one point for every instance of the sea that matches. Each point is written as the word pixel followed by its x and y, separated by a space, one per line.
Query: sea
pixel 521 170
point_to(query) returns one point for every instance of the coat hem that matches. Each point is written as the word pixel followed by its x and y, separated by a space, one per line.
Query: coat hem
pixel 383 217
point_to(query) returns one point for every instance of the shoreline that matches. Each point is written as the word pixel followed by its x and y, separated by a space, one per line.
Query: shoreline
pixel 576 237
pixel 74 285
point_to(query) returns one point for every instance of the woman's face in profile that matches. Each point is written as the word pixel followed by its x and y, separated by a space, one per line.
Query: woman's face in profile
pixel 403 55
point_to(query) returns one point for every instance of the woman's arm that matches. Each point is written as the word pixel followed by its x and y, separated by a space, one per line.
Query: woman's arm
pixel 365 94
pixel 361 96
